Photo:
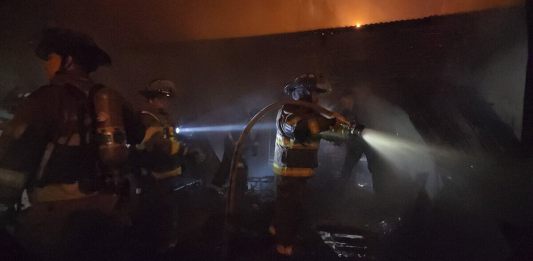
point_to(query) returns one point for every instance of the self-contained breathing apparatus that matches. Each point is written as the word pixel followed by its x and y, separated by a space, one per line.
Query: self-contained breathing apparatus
pixel 54 121
pixel 103 143
pixel 110 134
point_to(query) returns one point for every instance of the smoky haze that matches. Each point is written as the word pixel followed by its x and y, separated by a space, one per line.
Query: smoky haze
pixel 446 82
pixel 137 21
pixel 118 25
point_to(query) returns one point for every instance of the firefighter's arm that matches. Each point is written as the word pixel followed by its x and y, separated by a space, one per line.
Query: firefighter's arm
pixel 333 129
pixel 154 141
pixel 325 124
pixel 11 132
pixel 30 112
pixel 340 119
pixel 312 126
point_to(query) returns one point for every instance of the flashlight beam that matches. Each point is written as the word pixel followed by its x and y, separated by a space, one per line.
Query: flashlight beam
pixel 224 128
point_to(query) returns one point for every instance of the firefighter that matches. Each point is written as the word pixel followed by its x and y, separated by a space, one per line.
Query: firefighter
pixel 159 160
pixel 160 145
pixel 51 140
pixel 296 155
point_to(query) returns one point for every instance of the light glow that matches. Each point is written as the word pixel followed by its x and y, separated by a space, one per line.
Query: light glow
pixel 224 128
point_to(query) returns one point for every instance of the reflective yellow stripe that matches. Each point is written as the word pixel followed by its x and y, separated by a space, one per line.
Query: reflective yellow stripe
pixel 288 143
pixel 292 172
pixel 171 131
pixel 174 146
pixel 285 142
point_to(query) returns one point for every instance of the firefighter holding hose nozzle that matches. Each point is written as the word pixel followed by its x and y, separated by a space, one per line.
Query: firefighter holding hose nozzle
pixel 299 131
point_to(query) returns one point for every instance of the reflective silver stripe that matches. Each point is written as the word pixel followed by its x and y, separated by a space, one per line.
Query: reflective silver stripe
pixel 151 114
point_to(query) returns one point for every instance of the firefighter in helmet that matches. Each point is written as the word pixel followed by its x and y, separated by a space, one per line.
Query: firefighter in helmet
pixel 159 159
pixel 161 148
pixel 296 155
pixel 51 139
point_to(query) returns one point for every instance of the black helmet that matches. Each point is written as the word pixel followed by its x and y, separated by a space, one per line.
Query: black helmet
pixel 81 47
pixel 303 85
pixel 159 88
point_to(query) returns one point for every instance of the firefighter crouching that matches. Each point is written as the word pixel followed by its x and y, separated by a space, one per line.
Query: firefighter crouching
pixel 296 155
pixel 158 160
pixel 51 143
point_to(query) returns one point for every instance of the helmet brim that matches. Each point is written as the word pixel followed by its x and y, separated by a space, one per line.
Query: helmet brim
pixel 77 45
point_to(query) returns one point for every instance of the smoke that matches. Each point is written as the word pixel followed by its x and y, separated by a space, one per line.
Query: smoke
pixel 135 21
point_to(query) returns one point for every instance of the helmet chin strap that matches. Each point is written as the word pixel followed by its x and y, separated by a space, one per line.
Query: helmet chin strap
pixel 69 66
pixel 67 63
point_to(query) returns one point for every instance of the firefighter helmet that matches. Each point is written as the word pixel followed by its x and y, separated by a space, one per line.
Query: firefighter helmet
pixel 81 47
pixel 159 88
pixel 303 85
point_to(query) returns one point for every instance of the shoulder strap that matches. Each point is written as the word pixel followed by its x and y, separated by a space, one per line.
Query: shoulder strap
pixel 151 115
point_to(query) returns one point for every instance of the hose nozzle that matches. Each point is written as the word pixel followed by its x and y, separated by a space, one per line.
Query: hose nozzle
pixel 356 128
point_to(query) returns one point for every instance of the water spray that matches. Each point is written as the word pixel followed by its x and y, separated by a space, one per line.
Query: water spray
pixel 389 146
pixel 419 160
